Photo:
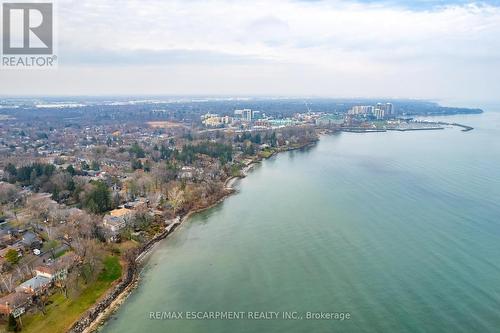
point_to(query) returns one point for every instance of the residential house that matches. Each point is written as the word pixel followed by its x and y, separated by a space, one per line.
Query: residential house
pixel 117 219
pixel 125 213
pixel 14 302
pixel 51 272
pixel 57 270
pixel 187 172
pixel 37 285
pixel 114 223
pixel 31 240
pixel 137 204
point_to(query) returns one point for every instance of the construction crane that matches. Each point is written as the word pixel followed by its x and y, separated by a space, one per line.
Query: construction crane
pixel 307 106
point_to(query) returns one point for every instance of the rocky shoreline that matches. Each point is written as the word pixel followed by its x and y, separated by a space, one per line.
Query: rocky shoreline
pixel 100 312
pixel 95 317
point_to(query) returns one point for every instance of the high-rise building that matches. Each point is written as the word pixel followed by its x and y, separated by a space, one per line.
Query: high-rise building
pixel 246 114
pixel 389 109
pixel 227 120
pixel 361 109
pixel 379 113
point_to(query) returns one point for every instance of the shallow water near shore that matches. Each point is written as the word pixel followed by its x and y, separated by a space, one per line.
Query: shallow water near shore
pixel 400 229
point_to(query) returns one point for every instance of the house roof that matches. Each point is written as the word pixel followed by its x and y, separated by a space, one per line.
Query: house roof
pixel 34 283
pixel 113 220
pixel 29 238
pixel 135 204
pixel 64 262
pixel 120 212
pixel 47 269
pixel 15 299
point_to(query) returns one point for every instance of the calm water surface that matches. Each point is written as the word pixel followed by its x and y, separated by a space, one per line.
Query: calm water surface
pixel 402 230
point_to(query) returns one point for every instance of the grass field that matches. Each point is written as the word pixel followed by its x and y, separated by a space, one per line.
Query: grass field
pixel 266 153
pixel 62 312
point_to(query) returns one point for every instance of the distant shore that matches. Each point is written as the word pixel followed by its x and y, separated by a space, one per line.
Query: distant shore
pixel 434 126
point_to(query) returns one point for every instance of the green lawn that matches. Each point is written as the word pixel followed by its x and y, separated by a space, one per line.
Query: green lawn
pixel 112 269
pixel 60 253
pixel 266 153
pixel 62 312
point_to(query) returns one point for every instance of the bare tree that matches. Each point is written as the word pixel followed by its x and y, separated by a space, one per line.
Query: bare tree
pixel 70 285
pixel 8 193
pixel 91 253
pixel 7 281
pixel 176 198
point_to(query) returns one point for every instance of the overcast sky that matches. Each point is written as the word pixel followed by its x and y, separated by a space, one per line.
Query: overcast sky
pixel 446 50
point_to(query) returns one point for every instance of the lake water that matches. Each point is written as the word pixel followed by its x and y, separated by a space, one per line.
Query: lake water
pixel 400 229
